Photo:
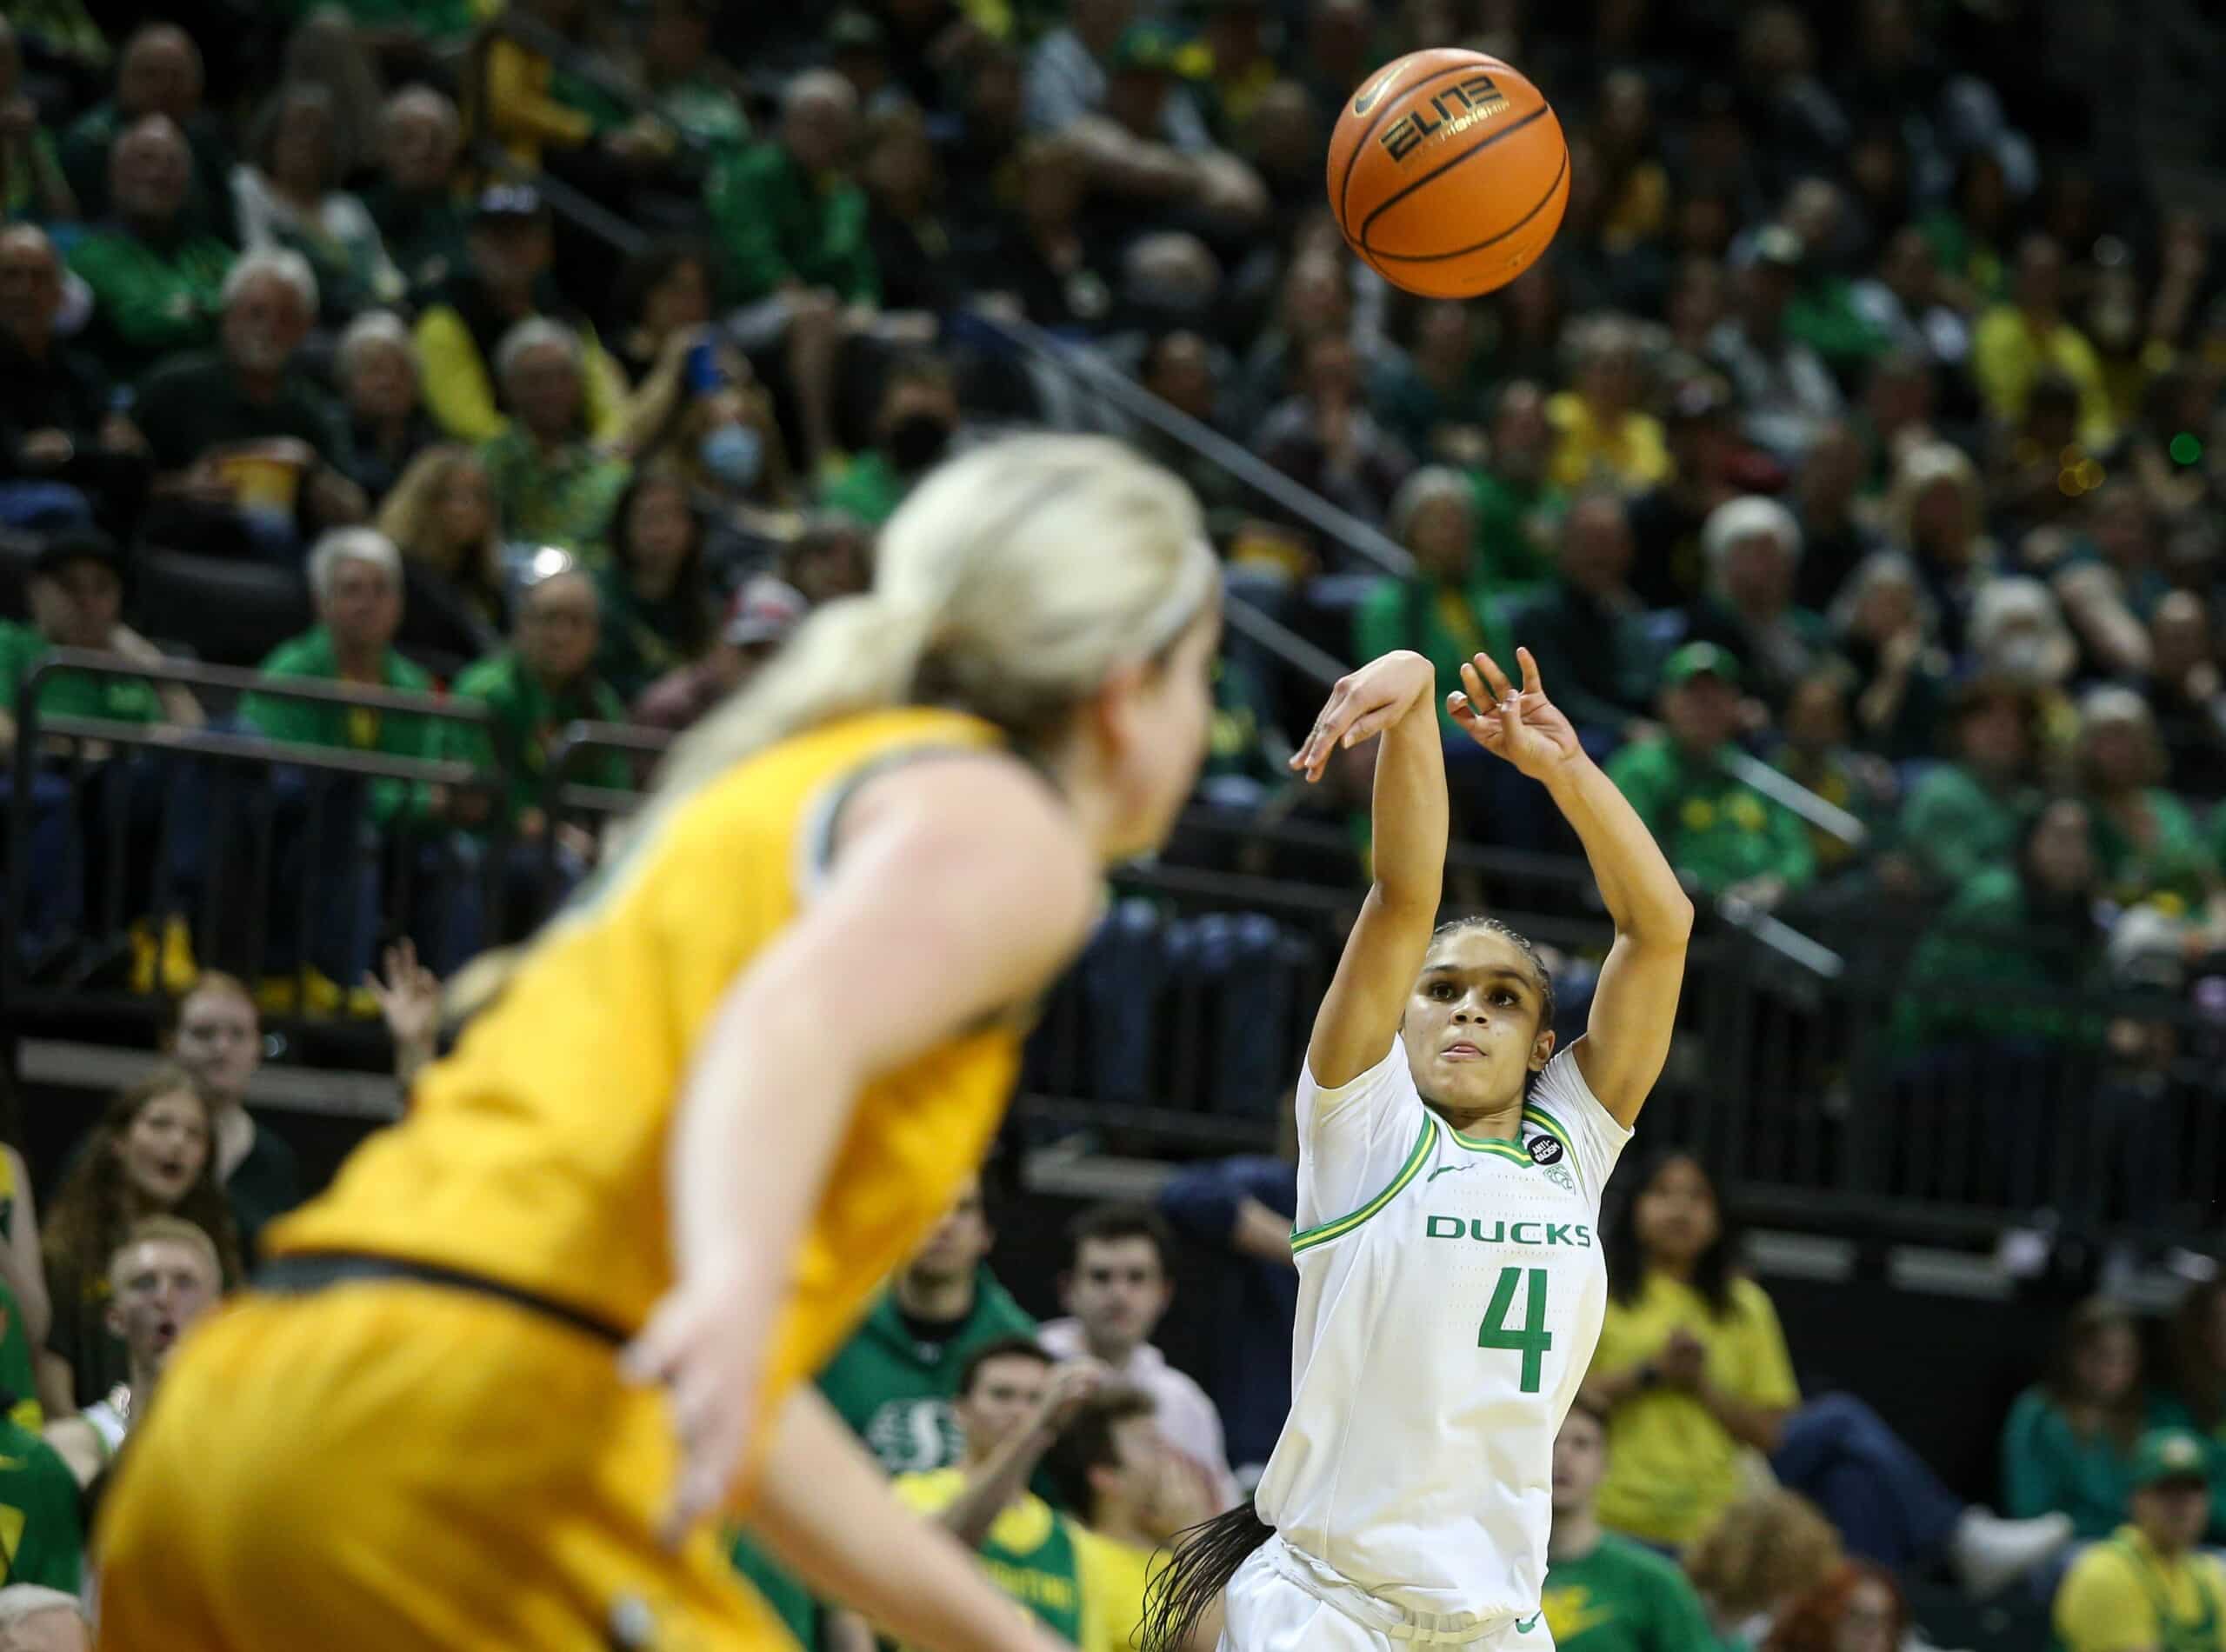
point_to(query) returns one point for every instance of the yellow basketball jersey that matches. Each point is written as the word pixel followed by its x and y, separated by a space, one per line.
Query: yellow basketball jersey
pixel 535 1154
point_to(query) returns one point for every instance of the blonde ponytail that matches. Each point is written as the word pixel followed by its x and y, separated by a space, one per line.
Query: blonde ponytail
pixel 1011 583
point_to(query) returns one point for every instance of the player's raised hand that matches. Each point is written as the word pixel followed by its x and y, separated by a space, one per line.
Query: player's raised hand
pixel 1362 705
pixel 702 1345
pixel 1520 725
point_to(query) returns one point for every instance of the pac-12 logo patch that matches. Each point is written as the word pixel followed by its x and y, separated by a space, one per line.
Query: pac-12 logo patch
pixel 1544 1149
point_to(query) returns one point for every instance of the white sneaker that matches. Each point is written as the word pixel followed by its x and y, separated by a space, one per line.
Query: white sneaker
pixel 1990 1553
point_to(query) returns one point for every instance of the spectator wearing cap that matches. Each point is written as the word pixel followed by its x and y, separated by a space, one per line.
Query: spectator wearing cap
pixel 156 277
pixel 1753 550
pixel 287 195
pixel 506 282
pixel 1586 628
pixel 1148 149
pixel 246 452
pixel 65 456
pixel 2147 843
pixel 2016 342
pixel 158 73
pixel 763 613
pixel 536 689
pixel 377 368
pixel 2149 1585
pixel 553 485
pixel 1785 392
pixel 1719 833
pixel 415 204
pixel 1603 437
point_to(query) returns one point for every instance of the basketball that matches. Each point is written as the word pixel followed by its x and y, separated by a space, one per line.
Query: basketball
pixel 1448 173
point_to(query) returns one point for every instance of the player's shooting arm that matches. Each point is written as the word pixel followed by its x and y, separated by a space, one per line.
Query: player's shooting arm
pixel 1394 695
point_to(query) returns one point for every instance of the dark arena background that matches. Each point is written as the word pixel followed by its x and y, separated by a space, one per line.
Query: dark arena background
pixel 414 413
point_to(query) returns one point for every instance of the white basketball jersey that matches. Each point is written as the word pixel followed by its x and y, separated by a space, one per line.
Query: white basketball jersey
pixel 1450 1293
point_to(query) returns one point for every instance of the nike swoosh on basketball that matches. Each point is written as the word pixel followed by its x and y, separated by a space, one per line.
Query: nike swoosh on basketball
pixel 1445 1170
pixel 1369 99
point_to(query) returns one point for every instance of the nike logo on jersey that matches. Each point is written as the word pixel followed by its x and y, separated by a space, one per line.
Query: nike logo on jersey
pixel 1529 1623
pixel 1445 1170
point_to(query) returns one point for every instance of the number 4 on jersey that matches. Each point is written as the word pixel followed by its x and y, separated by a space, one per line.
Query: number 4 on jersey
pixel 1533 1339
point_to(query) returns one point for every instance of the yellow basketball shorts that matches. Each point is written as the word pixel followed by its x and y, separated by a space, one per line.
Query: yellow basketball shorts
pixel 386 1466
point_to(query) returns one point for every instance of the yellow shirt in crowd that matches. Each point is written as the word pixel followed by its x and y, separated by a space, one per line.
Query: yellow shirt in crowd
pixel 2122 1596
pixel 1086 1581
pixel 1672 1467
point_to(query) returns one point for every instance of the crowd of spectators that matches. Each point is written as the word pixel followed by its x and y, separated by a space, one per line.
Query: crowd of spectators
pixel 1864 423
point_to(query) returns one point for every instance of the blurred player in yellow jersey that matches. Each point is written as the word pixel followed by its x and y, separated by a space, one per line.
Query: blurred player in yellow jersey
pixel 495 1381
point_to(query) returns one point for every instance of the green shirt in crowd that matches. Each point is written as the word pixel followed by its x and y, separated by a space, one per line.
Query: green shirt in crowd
pixel 868 489
pixel 774 225
pixel 39 1525
pixel 2173 871
pixel 1956 825
pixel 70 694
pixel 894 1386
pixel 353 728
pixel 2047 1466
pixel 1448 625
pixel 149 301
pixel 1716 830
pixel 19 1372
pixel 528 719
pixel 1510 549
pixel 1622 1597
pixel 1989 935
pixel 563 497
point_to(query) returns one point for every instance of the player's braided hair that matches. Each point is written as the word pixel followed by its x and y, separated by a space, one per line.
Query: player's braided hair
pixel 1522 943
pixel 1206 1556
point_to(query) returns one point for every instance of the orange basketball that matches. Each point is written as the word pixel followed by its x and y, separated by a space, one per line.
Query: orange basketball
pixel 1448 173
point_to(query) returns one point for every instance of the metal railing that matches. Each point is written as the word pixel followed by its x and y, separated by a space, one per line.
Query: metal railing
pixel 265 852
pixel 1093 373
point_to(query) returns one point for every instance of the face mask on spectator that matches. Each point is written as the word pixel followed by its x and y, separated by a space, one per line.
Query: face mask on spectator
pixel 733 453
pixel 916 441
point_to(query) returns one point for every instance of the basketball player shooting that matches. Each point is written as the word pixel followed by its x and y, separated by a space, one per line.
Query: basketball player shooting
pixel 1451 1280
